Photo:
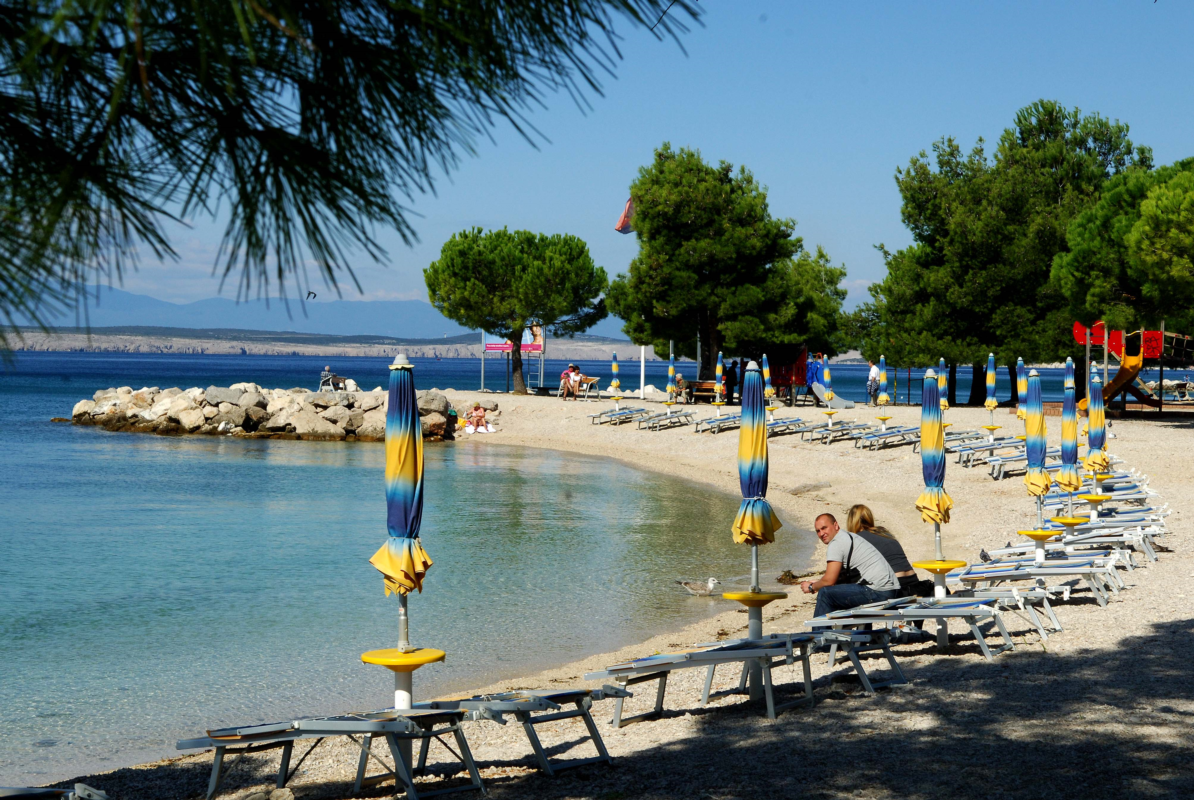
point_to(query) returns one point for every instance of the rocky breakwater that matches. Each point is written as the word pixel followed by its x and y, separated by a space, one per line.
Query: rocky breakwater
pixel 247 410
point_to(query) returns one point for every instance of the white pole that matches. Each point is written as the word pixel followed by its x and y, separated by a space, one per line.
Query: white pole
pixel 482 360
pixel 642 372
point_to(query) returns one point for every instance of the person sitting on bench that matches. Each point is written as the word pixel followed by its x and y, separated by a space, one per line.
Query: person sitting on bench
pixel 855 572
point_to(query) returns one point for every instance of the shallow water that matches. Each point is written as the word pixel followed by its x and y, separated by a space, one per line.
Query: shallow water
pixel 155 587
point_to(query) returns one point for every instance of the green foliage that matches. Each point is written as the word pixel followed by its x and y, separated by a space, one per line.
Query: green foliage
pixel 810 309
pixel 502 282
pixel 310 124
pixel 977 277
pixel 713 262
pixel 1128 266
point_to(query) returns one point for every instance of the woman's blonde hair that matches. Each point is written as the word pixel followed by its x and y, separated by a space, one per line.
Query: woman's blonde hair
pixel 860 518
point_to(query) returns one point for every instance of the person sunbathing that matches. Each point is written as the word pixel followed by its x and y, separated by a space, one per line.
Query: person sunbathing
pixel 861 521
pixel 855 572
pixel 475 422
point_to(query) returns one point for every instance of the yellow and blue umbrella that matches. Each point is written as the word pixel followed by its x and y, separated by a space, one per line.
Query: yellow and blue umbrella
pixel 882 399
pixel 828 380
pixel 768 391
pixel 943 384
pixel 671 376
pixel 1036 478
pixel 991 403
pixel 719 379
pixel 1068 478
pixel 402 560
pixel 1096 427
pixel 756 522
pixel 614 384
pixel 1021 389
pixel 934 504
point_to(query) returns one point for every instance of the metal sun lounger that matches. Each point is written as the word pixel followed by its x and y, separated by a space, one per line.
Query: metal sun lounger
pixel 1016 599
pixel 716 424
pixel 955 440
pixel 626 415
pixel 844 430
pixel 1098 574
pixel 767 652
pixel 661 422
pixel 421 724
pixel 873 440
pixel 911 609
pixel 967 453
pixel 781 426
pixel 536 707
pixel 1001 465
pixel 602 417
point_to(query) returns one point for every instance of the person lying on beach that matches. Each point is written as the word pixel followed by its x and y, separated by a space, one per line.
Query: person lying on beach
pixel 861 521
pixel 475 422
pixel 855 572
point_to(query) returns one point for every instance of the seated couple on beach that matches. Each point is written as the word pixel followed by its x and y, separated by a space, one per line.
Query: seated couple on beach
pixel 571 380
pixel 866 564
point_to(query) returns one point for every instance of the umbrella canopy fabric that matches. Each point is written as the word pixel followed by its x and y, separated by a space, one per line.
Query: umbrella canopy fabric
pixel 768 391
pixel 1068 478
pixel 614 385
pixel 1021 389
pixel 671 376
pixel 943 384
pixel 402 560
pixel 1036 478
pixel 756 522
pixel 1096 433
pixel 934 504
pixel 828 380
pixel 719 378
pixel 991 403
pixel 883 398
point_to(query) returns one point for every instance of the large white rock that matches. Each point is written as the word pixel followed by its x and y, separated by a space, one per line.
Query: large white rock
pixel 102 393
pixel 367 401
pixel 142 398
pixel 309 425
pixel 82 408
pixel 223 407
pixel 160 407
pixel 279 420
pixel 108 405
pixel 210 412
pixel 373 426
pixel 196 394
pixel 280 404
pixel 173 391
pixel 192 419
pixel 179 404
pixel 217 395
pixel 246 387
pixel 337 415
pixel 432 402
pixel 251 399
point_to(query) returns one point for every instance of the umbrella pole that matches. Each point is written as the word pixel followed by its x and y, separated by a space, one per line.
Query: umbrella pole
pixel 404 691
pixel 937 540
pixel 1040 514
pixel 754 626
pixel 403 626
pixel 1071 511
pixel 754 568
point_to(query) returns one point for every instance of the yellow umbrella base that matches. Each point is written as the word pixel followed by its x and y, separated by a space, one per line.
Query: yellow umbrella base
pixel 939 567
pixel 397 661
pixel 1069 521
pixel 754 599
pixel 1039 536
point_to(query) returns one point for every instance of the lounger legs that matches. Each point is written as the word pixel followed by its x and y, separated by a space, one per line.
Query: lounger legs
pixel 217 769
pixel 621 722
pixel 284 767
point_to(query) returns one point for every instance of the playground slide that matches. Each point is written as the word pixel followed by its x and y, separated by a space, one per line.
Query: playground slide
pixel 836 402
pixel 1125 380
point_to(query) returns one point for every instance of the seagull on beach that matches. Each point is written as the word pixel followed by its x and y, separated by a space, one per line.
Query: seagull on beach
pixel 698 588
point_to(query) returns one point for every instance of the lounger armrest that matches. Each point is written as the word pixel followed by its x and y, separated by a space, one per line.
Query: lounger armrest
pixel 608 691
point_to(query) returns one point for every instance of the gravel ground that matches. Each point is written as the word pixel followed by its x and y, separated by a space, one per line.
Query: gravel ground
pixel 1102 709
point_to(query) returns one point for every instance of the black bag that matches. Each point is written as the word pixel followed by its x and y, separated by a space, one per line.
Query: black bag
pixel 850 574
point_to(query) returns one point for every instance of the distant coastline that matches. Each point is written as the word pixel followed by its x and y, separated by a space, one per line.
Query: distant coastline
pixel 227 341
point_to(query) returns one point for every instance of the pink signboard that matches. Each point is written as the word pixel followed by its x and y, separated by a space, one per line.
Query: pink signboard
pixel 506 347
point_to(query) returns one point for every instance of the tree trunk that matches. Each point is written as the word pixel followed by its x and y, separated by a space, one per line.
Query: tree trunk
pixel 978 385
pixel 1079 380
pixel 710 346
pixel 519 385
pixel 1011 381
pixel 952 389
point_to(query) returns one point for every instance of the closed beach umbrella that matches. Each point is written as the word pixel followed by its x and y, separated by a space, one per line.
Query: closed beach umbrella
pixel 756 522
pixel 767 390
pixel 827 379
pixel 883 399
pixel 1036 478
pixel 1068 478
pixel 719 379
pixel 934 504
pixel 615 385
pixel 991 403
pixel 1021 389
pixel 1096 428
pixel 671 376
pixel 402 560
pixel 943 384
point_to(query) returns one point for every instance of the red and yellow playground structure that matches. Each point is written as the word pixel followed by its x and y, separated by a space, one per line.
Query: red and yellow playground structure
pixel 1131 350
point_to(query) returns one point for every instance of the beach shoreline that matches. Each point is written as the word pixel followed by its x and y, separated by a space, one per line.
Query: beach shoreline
pixel 659 759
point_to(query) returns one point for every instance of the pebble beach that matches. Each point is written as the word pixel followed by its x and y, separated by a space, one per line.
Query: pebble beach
pixel 1101 709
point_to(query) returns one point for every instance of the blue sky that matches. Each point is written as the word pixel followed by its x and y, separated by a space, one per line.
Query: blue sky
pixel 822 101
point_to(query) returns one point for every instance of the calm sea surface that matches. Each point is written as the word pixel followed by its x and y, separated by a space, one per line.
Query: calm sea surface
pixel 153 587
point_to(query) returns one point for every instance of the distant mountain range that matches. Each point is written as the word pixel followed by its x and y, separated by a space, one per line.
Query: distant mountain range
pixel 399 319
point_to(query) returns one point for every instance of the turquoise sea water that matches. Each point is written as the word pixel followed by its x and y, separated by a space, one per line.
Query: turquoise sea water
pixel 153 587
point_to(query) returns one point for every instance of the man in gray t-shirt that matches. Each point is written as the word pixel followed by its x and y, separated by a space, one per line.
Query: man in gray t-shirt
pixel 876 582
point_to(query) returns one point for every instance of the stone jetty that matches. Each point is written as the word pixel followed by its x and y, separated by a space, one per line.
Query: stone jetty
pixel 248 410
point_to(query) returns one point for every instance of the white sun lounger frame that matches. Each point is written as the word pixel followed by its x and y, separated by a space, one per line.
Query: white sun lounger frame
pixel 1098 574
pixel 873 440
pixel 661 421
pixel 422 724
pixel 716 424
pixel 910 609
pixel 602 417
